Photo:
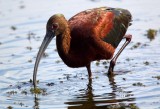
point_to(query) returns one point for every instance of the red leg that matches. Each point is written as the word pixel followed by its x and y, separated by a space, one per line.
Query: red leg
pixel 113 61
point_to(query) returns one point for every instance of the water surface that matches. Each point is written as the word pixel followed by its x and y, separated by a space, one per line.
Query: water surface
pixel 22 28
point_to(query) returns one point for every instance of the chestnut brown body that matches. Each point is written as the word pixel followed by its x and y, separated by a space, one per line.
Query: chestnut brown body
pixel 90 35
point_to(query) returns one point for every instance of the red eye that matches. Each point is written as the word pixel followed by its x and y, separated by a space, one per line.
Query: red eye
pixel 55 26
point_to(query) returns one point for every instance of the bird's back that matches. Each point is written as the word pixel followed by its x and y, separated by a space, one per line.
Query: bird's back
pixel 105 23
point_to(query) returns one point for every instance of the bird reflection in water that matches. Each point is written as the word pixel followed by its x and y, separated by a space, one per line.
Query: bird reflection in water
pixel 89 101
pixel 36 102
pixel 117 98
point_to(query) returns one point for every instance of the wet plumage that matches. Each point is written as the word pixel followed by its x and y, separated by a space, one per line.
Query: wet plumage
pixel 90 35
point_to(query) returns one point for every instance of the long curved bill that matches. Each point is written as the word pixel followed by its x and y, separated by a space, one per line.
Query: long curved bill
pixel 47 39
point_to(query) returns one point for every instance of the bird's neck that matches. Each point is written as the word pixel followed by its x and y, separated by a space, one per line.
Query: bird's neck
pixel 63 44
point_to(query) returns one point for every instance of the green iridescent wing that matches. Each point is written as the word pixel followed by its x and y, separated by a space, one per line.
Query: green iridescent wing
pixel 121 22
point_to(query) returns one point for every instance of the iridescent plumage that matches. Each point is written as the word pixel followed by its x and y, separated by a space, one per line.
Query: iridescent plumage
pixel 88 36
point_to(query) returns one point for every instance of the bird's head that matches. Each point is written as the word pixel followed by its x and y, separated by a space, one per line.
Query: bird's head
pixel 55 26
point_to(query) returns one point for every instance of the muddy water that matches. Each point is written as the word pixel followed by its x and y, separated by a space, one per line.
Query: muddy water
pixel 22 28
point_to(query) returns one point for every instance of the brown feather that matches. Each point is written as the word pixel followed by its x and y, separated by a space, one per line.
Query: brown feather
pixel 92 36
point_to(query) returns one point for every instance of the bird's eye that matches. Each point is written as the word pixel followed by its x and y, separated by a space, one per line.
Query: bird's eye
pixel 55 26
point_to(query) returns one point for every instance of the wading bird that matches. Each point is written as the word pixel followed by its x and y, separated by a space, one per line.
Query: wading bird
pixel 90 35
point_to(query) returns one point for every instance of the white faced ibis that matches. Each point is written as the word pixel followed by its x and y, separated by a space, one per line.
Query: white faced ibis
pixel 90 35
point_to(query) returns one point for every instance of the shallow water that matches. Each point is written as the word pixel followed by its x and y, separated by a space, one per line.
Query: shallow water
pixel 22 28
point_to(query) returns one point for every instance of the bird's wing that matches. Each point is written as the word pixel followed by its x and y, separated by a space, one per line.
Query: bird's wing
pixel 120 21
pixel 105 23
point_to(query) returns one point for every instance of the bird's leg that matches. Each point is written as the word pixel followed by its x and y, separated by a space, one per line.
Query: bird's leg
pixel 89 70
pixel 114 59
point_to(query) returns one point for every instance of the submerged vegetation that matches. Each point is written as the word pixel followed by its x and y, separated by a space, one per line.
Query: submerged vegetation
pixel 158 77
pixel 18 88
pixel 136 45
pixel 12 92
pixel 13 28
pixel 123 106
pixel 38 91
pixel 138 84
pixel 146 63
pixel 9 107
pixel 151 33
